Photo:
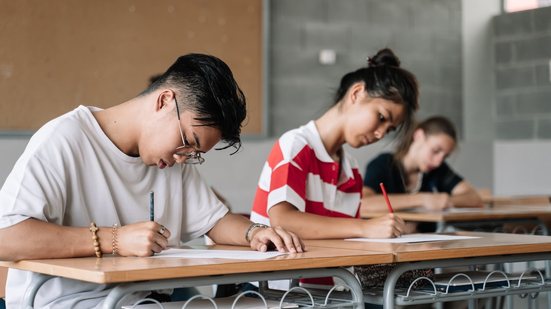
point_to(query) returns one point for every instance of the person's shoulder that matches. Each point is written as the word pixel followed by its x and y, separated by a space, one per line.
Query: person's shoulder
pixel 445 172
pixel 294 144
pixel 300 133
pixel 297 138
pixel 383 158
pixel 53 140
pixel 71 123
pixel 67 128
pixel 444 168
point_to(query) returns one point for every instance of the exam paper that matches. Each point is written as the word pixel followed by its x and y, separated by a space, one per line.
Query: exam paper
pixel 411 238
pixel 216 254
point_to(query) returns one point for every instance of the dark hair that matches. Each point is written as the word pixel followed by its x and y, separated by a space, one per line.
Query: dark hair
pixel 208 88
pixel 430 126
pixel 384 78
pixel 154 78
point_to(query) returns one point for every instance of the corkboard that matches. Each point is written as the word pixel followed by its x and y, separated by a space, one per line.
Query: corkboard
pixel 56 55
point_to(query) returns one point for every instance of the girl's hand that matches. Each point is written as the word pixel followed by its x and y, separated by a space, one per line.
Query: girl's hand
pixel 142 239
pixel 284 241
pixel 387 226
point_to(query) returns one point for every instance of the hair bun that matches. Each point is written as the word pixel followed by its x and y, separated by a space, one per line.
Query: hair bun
pixel 384 56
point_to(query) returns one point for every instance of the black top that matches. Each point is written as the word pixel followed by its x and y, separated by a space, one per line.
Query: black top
pixel 387 170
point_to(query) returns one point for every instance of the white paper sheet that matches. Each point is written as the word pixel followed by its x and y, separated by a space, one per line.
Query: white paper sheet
pixel 216 254
pixel 410 238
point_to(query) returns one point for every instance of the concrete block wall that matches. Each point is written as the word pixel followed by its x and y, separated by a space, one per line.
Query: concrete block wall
pixel 426 35
pixel 522 53
pixel 522 43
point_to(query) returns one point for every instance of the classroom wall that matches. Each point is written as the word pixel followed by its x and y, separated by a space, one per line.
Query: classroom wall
pixel 301 88
pixel 478 70
pixel 103 52
pixel 522 43
pixel 522 47
pixel 426 35
pixel 522 167
pixel 10 149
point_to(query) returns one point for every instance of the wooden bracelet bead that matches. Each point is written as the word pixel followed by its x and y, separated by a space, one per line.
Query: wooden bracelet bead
pixel 97 249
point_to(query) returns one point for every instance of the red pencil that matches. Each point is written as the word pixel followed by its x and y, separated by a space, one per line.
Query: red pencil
pixel 386 198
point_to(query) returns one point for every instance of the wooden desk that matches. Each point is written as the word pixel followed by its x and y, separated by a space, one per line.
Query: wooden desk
pixel 322 259
pixel 488 244
pixel 3 275
pixel 489 248
pixel 468 214
pixel 161 273
pixel 473 216
pixel 517 200
pixel 497 200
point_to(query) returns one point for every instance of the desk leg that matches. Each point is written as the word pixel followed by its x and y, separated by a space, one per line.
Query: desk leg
pixel 123 289
pixel 32 289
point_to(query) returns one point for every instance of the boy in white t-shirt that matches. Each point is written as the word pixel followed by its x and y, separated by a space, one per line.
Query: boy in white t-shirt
pixel 88 174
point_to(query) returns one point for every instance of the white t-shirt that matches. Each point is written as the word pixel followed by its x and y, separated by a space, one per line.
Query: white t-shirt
pixel 71 174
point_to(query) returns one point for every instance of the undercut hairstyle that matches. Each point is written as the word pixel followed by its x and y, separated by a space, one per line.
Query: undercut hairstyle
pixel 205 85
pixel 384 78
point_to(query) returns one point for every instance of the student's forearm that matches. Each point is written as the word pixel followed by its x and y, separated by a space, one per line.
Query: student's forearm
pixel 464 195
pixel 230 230
pixel 377 203
pixel 311 226
pixel 35 239
pixel 466 200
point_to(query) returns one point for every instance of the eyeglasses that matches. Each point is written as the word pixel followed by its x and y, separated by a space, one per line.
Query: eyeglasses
pixel 193 156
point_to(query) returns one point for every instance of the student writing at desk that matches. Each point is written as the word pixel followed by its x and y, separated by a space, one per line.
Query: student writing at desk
pixel 309 184
pixel 81 186
pixel 417 174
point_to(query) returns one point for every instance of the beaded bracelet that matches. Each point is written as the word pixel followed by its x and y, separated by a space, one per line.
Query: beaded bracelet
pixel 94 229
pixel 251 228
pixel 115 243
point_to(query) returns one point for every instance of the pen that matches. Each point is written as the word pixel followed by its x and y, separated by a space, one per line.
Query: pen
pixel 386 198
pixel 151 206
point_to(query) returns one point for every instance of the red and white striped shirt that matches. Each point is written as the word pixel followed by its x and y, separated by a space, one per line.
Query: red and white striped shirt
pixel 301 172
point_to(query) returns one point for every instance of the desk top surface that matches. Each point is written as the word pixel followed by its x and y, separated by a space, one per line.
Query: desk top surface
pixel 127 269
pixel 469 214
pixel 487 244
pixel 320 254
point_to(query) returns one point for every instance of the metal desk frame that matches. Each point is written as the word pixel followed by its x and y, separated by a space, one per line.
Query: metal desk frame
pixel 123 289
pixel 390 299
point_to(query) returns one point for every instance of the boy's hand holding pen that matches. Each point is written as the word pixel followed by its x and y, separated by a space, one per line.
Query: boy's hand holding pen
pixel 143 238
pixel 162 230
